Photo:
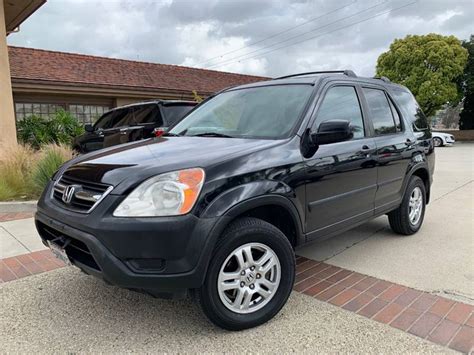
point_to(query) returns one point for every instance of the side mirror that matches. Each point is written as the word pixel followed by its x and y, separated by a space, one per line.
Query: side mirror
pixel 332 132
pixel 88 127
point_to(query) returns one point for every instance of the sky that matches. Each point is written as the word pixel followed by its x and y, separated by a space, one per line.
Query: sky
pixel 258 37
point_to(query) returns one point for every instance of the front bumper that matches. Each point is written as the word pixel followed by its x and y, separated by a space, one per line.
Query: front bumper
pixel 164 256
pixel 450 140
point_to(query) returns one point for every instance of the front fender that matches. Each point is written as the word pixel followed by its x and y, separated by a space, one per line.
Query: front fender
pixel 232 197
pixel 240 199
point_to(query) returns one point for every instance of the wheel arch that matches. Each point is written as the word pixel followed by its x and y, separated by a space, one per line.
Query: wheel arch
pixel 274 209
pixel 422 172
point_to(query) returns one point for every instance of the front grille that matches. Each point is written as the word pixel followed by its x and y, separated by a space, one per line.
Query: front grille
pixel 75 249
pixel 82 196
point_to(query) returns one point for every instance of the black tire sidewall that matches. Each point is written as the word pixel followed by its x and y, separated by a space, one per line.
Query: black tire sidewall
pixel 437 139
pixel 262 233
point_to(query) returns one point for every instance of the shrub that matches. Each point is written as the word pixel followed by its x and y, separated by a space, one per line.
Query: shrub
pixel 24 172
pixel 51 158
pixel 34 131
pixel 60 128
pixel 63 127
pixel 15 167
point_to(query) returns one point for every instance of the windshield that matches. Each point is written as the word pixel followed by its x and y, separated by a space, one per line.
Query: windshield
pixel 268 112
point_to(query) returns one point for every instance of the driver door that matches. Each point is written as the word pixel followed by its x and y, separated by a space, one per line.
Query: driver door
pixel 341 177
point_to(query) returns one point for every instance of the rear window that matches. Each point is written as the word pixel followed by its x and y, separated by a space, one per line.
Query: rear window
pixel 174 113
pixel 382 117
pixel 411 110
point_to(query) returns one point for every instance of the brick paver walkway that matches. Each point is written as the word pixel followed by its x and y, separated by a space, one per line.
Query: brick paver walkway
pixel 11 216
pixel 438 319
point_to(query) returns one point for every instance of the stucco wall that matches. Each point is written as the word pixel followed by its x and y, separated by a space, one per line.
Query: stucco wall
pixel 7 115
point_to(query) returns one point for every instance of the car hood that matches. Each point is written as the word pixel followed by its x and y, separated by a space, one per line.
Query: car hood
pixel 139 160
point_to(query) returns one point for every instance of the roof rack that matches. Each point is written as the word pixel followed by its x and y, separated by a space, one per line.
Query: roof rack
pixel 383 78
pixel 345 72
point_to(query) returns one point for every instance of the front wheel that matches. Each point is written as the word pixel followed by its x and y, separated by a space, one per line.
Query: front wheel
pixel 408 218
pixel 250 276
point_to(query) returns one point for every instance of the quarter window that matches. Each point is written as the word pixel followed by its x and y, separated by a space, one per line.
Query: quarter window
pixel 411 110
pixel 342 103
pixel 380 111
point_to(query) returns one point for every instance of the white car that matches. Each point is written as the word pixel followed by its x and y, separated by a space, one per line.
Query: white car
pixel 440 139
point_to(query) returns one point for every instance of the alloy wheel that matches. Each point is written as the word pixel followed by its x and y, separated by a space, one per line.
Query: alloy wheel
pixel 415 206
pixel 249 278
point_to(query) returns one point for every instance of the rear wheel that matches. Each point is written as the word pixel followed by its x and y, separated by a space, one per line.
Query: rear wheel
pixel 250 276
pixel 408 218
pixel 438 142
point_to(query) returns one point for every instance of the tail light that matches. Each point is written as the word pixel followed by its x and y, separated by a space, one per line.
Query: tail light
pixel 158 132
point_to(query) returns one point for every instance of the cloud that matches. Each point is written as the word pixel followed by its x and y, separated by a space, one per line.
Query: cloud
pixel 186 32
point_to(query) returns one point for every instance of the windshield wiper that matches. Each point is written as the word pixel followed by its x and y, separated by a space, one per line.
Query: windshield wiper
pixel 212 134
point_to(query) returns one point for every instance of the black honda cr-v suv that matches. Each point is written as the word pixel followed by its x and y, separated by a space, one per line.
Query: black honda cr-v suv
pixel 217 205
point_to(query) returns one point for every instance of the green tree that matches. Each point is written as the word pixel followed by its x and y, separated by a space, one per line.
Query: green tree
pixel 428 65
pixel 466 118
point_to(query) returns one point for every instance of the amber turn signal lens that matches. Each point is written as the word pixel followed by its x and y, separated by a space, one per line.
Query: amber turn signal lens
pixel 192 179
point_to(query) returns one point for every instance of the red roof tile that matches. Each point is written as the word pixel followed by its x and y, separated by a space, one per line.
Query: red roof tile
pixel 38 64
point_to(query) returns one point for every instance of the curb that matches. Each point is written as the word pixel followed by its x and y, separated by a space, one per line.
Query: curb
pixel 18 206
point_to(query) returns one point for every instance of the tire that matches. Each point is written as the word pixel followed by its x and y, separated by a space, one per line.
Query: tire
pixel 400 219
pixel 261 237
pixel 438 142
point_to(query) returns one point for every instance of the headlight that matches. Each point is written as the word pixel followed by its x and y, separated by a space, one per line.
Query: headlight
pixel 169 194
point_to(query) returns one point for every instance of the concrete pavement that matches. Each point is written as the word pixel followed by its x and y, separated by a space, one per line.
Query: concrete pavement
pixel 19 237
pixel 66 311
pixel 438 258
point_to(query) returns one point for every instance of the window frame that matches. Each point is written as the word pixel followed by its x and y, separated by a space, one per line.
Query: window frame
pixel 322 96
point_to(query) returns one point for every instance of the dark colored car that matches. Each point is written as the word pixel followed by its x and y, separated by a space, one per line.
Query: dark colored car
pixel 131 123
pixel 216 206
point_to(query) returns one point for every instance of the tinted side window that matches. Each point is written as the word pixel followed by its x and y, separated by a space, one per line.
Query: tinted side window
pixel 411 110
pixel 381 113
pixel 146 114
pixel 174 113
pixel 110 119
pixel 342 103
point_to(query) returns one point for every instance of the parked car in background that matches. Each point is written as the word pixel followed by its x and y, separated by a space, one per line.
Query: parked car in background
pixel 131 123
pixel 216 206
pixel 440 139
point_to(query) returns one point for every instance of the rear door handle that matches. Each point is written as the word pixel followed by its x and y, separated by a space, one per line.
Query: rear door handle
pixel 365 147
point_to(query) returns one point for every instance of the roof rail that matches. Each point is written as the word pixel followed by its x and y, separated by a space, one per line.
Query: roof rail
pixel 345 72
pixel 383 78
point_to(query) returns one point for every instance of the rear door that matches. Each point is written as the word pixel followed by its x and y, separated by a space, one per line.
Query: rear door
pixel 395 146
pixel 341 177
